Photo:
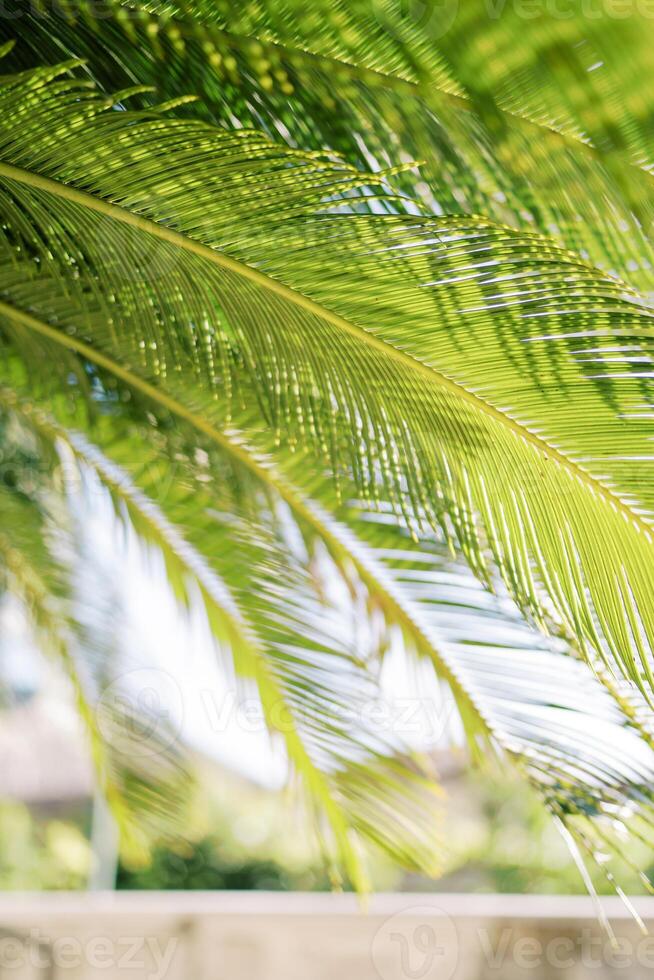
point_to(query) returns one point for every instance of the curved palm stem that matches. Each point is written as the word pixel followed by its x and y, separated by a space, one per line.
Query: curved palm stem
pixel 475 463
pixel 415 372
pixel 346 546
pixel 513 149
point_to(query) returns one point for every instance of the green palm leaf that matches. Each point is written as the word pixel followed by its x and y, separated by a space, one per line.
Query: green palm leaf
pixel 507 682
pixel 147 794
pixel 269 620
pixel 478 464
pixel 530 120
pixel 159 269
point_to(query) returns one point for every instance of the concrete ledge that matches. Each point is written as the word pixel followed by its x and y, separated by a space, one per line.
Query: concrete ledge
pixel 316 903
pixel 314 936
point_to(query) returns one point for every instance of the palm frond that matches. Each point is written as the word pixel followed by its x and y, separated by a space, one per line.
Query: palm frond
pixel 176 289
pixel 267 616
pixel 586 749
pixel 147 797
pixel 497 454
pixel 502 109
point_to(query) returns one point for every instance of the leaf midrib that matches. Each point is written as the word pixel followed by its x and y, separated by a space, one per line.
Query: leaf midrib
pixel 290 295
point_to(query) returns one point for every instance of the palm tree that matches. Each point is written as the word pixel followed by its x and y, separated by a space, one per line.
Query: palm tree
pixel 356 292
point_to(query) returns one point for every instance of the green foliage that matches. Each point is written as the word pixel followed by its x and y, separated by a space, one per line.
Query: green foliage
pixel 38 853
pixel 199 868
pixel 500 840
pixel 288 367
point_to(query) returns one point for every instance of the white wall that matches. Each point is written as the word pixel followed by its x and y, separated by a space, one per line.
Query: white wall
pixel 246 936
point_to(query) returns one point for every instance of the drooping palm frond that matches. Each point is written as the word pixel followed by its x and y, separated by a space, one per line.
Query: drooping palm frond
pixel 147 794
pixel 168 271
pixel 530 120
pixel 496 448
pixel 564 726
pixel 585 753
pixel 268 619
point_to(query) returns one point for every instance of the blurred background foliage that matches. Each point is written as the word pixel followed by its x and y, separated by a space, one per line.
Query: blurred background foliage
pixel 499 839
